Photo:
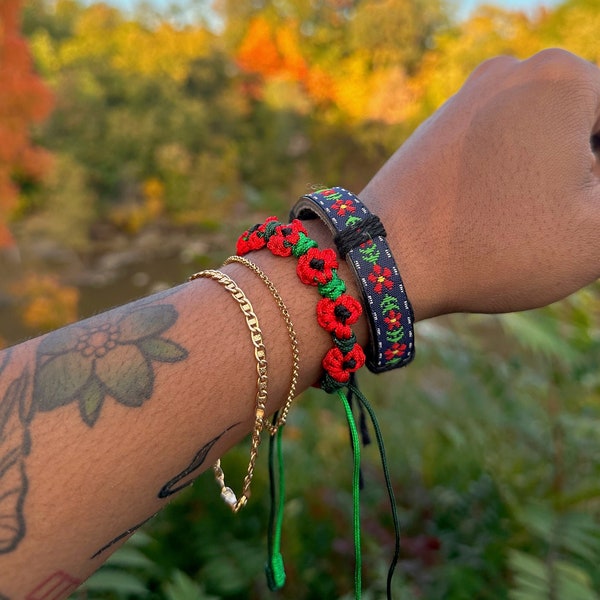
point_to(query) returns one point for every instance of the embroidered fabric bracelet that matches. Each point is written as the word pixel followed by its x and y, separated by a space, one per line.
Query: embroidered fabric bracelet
pixel 282 416
pixel 336 311
pixel 260 353
pixel 360 238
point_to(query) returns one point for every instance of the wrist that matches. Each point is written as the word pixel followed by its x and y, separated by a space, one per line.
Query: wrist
pixel 412 249
pixel 301 301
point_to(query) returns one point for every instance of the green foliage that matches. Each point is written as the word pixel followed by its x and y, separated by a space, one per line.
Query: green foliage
pixel 67 194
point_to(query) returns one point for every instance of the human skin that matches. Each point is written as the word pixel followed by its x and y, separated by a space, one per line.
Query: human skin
pixel 493 205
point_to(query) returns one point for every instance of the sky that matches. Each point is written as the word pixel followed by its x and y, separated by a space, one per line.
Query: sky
pixel 465 6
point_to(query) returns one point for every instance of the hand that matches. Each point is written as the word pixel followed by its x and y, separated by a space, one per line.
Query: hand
pixel 493 204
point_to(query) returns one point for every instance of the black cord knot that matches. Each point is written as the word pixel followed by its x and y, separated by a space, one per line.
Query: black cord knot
pixel 355 235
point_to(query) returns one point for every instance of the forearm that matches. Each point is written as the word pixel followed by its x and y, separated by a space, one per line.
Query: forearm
pixel 102 421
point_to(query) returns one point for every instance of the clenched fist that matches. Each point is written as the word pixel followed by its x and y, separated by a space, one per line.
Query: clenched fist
pixel 493 204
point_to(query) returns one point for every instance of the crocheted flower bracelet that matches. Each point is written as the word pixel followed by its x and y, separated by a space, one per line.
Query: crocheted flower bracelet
pixel 336 312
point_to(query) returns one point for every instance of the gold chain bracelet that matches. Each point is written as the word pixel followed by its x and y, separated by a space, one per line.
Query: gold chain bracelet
pixel 260 354
pixel 272 428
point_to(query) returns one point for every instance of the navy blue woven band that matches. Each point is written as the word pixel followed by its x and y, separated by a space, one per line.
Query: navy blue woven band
pixel 360 237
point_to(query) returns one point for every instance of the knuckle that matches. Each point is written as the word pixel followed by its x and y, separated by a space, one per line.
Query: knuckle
pixel 556 63
pixel 494 66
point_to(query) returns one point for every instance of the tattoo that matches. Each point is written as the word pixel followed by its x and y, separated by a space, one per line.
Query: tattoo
pixel 171 486
pixel 82 363
pixel 14 447
pixel 86 362
pixel 121 536
pixel 4 359
pixel 3 597
pixel 55 587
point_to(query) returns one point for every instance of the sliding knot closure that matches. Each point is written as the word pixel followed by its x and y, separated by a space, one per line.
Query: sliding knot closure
pixel 359 233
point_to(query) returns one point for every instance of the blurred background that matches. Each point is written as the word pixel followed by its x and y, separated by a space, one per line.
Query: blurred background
pixel 138 140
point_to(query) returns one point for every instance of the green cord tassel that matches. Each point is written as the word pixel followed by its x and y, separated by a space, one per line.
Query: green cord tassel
pixel 275 569
pixel 388 482
pixel 355 494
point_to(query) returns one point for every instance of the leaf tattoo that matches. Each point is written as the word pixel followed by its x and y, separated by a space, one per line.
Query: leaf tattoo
pixel 14 447
pixel 86 362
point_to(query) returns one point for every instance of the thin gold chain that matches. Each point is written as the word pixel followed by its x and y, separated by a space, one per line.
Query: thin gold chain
pixel 260 354
pixel 272 428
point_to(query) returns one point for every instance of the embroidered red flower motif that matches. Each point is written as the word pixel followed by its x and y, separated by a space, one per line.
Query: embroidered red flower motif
pixel 380 277
pixel 284 237
pixel 339 365
pixel 343 206
pixel 253 238
pixel 395 352
pixel 392 320
pixel 337 315
pixel 315 267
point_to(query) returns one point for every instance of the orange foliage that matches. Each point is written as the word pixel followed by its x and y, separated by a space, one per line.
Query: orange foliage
pixel 319 84
pixel 24 100
pixel 272 53
pixel 46 304
pixel 258 52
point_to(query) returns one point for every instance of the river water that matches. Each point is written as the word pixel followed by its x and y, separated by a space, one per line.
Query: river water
pixel 111 274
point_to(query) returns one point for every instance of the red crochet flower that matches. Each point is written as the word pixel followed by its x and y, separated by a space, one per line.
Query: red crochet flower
pixel 285 236
pixel 396 351
pixel 253 238
pixel 315 267
pixel 393 320
pixel 343 206
pixel 340 365
pixel 337 315
pixel 379 277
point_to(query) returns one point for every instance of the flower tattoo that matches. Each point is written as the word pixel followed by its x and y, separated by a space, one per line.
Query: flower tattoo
pixel 86 363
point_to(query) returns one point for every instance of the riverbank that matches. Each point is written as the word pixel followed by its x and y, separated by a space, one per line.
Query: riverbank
pixel 115 269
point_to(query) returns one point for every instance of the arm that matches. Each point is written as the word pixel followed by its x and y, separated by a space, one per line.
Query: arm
pixel 492 205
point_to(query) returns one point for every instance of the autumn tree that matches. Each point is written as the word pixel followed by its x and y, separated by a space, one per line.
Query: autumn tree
pixel 24 100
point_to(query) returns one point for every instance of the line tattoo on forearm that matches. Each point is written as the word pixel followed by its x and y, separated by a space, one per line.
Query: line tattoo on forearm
pixel 112 356
pixel 15 415
pixel 121 536
pixel 171 487
pixel 174 485
pixel 56 586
